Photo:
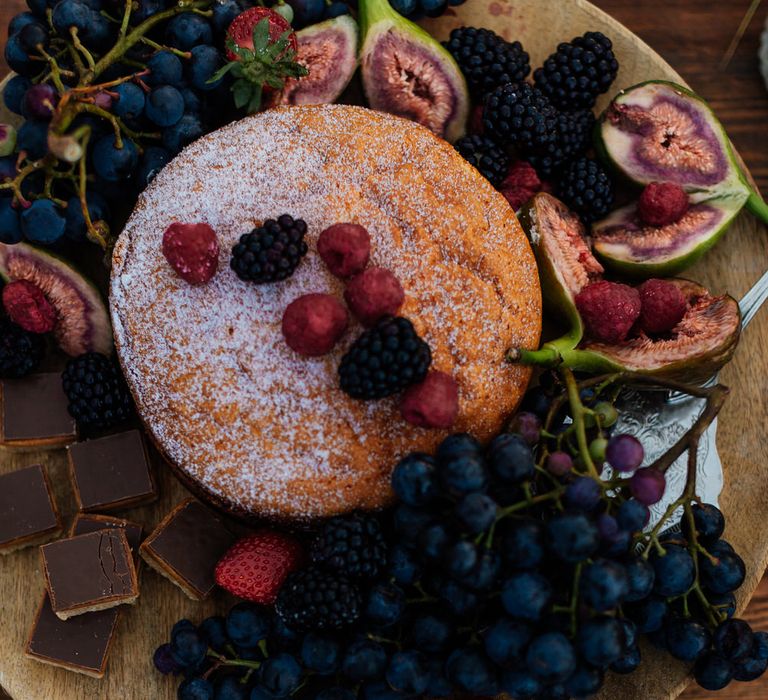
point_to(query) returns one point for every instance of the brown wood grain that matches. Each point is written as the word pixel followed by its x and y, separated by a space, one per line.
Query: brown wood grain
pixel 692 36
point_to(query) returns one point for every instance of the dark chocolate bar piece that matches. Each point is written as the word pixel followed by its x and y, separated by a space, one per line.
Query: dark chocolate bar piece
pixel 81 644
pixel 111 473
pixel 134 532
pixel 89 572
pixel 186 546
pixel 28 513
pixel 35 412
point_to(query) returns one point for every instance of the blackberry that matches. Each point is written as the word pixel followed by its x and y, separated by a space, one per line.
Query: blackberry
pixel 519 115
pixel 486 156
pixel 384 360
pixel 579 71
pixel 20 351
pixel 352 544
pixel 271 252
pixel 586 187
pixel 317 599
pixel 486 59
pixel 574 137
pixel 98 396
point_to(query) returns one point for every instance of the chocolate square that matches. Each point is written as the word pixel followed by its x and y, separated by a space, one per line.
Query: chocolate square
pixel 89 572
pixel 81 644
pixel 28 513
pixel 93 523
pixel 35 412
pixel 186 546
pixel 112 472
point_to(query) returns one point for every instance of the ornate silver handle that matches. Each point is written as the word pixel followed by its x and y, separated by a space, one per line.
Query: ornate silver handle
pixel 752 301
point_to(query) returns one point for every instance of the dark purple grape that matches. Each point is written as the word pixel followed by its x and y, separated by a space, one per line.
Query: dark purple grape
pixel 40 101
pixel 624 453
pixel 648 486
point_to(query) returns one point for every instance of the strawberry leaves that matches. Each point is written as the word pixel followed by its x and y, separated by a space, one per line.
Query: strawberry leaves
pixel 269 63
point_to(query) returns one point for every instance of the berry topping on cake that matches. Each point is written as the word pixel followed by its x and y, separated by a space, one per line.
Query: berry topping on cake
pixel 432 403
pixel 27 306
pixel 662 204
pixel 374 293
pixel 256 566
pixel 192 250
pixel 313 323
pixel 345 249
pixel 662 306
pixel 271 252
pixel 384 360
pixel 317 599
pixel 98 396
pixel 352 544
pixel 20 351
pixel 608 309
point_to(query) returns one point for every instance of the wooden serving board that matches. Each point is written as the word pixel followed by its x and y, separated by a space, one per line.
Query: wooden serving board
pixel 733 265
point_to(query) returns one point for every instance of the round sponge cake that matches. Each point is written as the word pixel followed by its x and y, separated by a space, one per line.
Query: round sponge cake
pixel 254 426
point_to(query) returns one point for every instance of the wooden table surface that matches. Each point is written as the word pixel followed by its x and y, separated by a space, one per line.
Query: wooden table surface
pixel 693 36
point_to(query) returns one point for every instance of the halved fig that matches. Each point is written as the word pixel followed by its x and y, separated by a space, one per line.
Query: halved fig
pixel 625 244
pixel 659 131
pixel 82 321
pixel 566 264
pixel 329 51
pixel 407 72
pixel 697 347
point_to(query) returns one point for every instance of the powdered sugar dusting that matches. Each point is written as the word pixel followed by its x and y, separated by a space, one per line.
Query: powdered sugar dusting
pixel 225 398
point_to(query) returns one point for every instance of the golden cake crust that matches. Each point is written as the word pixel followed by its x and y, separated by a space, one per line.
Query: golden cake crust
pixel 257 427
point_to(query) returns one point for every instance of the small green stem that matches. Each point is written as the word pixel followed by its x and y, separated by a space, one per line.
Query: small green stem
pixel 126 18
pixel 522 505
pixel 757 206
pixel 83 51
pixel 577 413
pixel 54 70
pixel 224 661
pixel 159 47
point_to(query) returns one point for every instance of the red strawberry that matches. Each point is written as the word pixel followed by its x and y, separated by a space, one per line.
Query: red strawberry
pixel 255 567
pixel 241 29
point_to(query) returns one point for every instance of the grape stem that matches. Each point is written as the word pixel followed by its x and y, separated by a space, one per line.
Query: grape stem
pixel 81 49
pixel 126 18
pixel 159 47
pixel 577 413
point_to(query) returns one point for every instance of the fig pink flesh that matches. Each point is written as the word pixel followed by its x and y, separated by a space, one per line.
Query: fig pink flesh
pixel 406 80
pixel 649 242
pixel 565 244
pixel 673 141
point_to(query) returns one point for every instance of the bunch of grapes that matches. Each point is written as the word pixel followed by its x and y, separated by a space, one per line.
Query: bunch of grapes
pixel 525 567
pixel 110 91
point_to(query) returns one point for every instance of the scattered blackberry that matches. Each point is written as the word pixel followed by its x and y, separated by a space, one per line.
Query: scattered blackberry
pixel 316 599
pixel 574 137
pixel 98 396
pixel 20 352
pixel 519 115
pixel 384 360
pixel 486 156
pixel 271 252
pixel 579 71
pixel 586 187
pixel 486 59
pixel 352 544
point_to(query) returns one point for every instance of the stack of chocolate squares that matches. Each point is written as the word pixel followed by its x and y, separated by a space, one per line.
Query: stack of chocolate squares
pixel 92 575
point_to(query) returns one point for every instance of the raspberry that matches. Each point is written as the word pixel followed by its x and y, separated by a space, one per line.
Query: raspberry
pixel 192 250
pixel 313 323
pixel 662 306
pixel 662 204
pixel 433 403
pixel 520 184
pixel 608 309
pixel 345 249
pixel 374 293
pixel 27 307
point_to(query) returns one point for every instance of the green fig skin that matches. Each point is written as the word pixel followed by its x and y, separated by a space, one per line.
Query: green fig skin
pixel 380 25
pixel 599 358
pixel 730 191
pixel 83 322
pixel 625 264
